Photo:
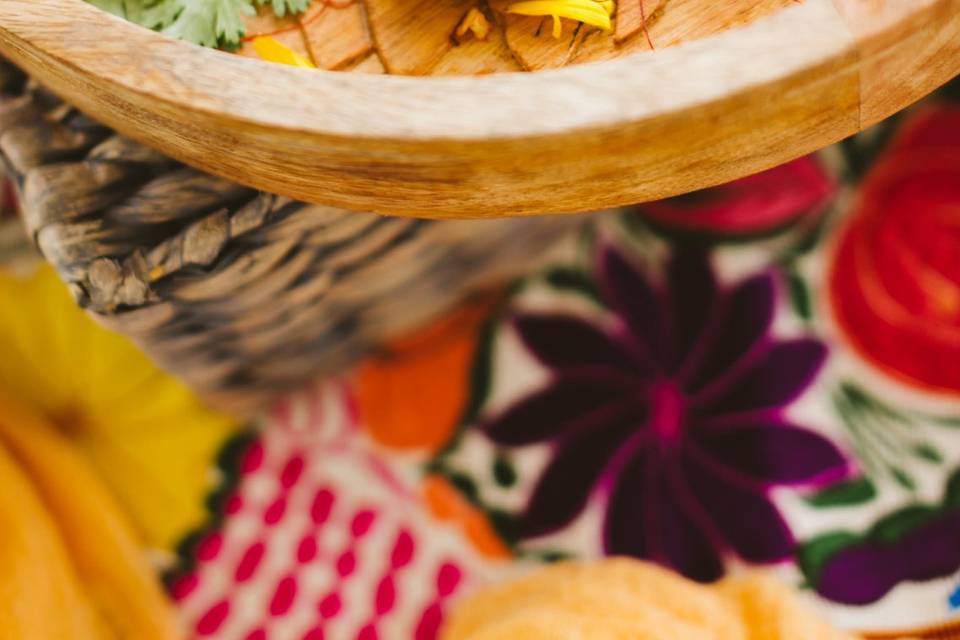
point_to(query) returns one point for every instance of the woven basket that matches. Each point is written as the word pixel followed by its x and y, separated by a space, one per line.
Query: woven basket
pixel 242 294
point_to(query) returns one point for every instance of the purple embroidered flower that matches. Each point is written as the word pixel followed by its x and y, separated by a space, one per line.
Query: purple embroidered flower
pixel 673 417
pixel 917 543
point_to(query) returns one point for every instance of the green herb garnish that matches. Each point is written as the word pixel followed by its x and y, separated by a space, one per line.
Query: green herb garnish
pixel 210 23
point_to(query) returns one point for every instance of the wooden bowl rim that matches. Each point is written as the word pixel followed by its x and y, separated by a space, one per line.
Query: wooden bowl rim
pixel 597 95
pixel 582 138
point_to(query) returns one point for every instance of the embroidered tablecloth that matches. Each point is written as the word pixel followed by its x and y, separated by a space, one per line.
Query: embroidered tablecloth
pixel 764 375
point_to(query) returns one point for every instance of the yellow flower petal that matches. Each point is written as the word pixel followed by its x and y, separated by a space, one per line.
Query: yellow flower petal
pixel 592 12
pixel 272 50
pixel 148 437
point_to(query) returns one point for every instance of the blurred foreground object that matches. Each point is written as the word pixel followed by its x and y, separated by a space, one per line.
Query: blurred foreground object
pixel 149 438
pixel 72 565
pixel 621 598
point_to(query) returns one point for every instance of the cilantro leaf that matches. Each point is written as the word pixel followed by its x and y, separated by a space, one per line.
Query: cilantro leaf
pixel 129 9
pixel 211 23
pixel 116 7
pixel 283 7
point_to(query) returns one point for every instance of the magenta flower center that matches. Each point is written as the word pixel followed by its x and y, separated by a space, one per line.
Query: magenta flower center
pixel 666 411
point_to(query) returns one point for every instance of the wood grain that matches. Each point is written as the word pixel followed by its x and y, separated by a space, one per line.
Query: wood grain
pixel 645 126
pixel 909 47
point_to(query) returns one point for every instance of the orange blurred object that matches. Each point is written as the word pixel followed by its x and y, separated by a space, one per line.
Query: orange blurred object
pixel 412 396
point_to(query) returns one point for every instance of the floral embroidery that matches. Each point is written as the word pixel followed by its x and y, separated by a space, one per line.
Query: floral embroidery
pixel 895 278
pixel 759 203
pixel 411 397
pixel 324 540
pixel 674 417
pixel 860 569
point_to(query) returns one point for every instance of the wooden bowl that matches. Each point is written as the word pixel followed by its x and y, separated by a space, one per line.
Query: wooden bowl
pixel 639 127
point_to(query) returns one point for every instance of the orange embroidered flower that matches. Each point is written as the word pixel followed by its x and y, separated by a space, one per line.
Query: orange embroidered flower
pixel 448 505
pixel 413 395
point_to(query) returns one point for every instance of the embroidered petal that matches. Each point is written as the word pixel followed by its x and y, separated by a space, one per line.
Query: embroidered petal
pixel 685 544
pixel 627 291
pixel 746 315
pixel 771 453
pixel 568 403
pixel 692 295
pixel 627 519
pixel 572 475
pixel 867 570
pixel 783 372
pixel 646 519
pixel 746 518
pixel 563 341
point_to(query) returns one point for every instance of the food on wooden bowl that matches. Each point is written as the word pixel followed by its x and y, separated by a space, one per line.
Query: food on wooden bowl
pixel 729 88
pixel 420 37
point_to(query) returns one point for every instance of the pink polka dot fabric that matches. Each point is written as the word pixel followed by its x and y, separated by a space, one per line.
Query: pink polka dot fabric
pixel 323 540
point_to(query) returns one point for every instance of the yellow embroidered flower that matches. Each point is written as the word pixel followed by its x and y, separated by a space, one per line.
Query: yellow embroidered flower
pixel 146 435
pixel 593 12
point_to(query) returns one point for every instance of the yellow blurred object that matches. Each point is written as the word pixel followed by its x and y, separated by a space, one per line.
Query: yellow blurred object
pixel 272 50
pixel 624 599
pixel 596 13
pixel 80 565
pixel 40 594
pixel 145 434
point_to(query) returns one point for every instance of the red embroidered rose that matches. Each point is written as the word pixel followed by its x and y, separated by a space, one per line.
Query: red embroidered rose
pixel 895 278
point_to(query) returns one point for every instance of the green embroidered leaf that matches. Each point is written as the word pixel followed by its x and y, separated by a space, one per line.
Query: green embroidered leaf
pixel 903 478
pixel 552 556
pixel 465 485
pixel 889 530
pixel 481 373
pixel 799 294
pixel 503 472
pixel 928 452
pixel 811 239
pixel 505 524
pixel 844 494
pixel 812 555
pixel 951 496
pixel 864 400
pixel 897 524
pixel 572 280
pixel 946 421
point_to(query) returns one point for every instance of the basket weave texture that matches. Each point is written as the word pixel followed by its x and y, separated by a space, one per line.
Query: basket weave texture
pixel 242 294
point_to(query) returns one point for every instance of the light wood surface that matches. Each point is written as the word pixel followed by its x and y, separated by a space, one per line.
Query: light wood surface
pixel 643 126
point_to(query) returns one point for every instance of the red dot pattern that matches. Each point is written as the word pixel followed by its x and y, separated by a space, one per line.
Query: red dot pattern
pixel 319 544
